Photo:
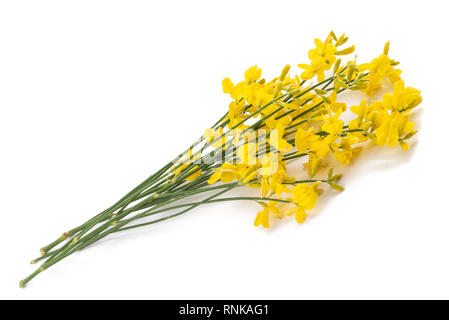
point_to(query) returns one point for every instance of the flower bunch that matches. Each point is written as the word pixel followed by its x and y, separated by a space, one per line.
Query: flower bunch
pixel 269 128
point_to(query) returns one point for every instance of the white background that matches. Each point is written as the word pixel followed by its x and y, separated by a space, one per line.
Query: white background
pixel 96 95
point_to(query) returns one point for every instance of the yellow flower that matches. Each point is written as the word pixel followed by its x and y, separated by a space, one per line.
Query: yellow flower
pixel 211 135
pixel 312 144
pixel 228 86
pixel 284 72
pixel 195 175
pixel 180 168
pixel 235 111
pixel 189 158
pixel 317 67
pixel 361 111
pixel 333 126
pixel 274 175
pixel 402 99
pixel 253 74
pixel 273 123
pixel 309 142
pixel 313 164
pixel 246 153
pixel 270 164
pixel 379 68
pixel 346 51
pixel 279 188
pixel 277 180
pixel 239 90
pixel 305 195
pixel 404 145
pixel 263 217
pixel 321 59
pixel 277 141
pixel 343 151
pixel 388 132
pixel 405 126
pixel 320 148
pixel 300 214
pixel 302 139
pixel 227 173
pixel 334 105
pixel 264 187
pixel 248 173
pixel 393 127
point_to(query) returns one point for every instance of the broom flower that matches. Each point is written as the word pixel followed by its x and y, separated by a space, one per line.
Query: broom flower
pixel 269 127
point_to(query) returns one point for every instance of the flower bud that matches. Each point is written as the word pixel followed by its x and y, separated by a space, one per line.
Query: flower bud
pixel 284 72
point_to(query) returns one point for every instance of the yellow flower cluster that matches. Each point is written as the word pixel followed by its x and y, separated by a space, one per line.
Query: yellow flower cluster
pixel 267 126
pixel 270 123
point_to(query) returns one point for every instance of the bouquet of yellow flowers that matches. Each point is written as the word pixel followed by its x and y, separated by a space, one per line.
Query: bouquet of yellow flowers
pixel 268 127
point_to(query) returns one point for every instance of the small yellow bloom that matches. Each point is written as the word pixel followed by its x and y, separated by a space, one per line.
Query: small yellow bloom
pixel 402 99
pixel 388 132
pixel 404 145
pixel 253 74
pixel 334 105
pixel 303 139
pixel 270 164
pixel 189 158
pixel 305 195
pixel 284 72
pixel 320 148
pixel 321 59
pixel 209 135
pixel 235 113
pixel 379 68
pixel 246 153
pixel 228 86
pixel 227 173
pixel 299 212
pixel 343 156
pixel 249 173
pixel 194 175
pixel 333 126
pixel 343 152
pixel 346 51
pixel 361 111
pixel 263 217
pixel 277 141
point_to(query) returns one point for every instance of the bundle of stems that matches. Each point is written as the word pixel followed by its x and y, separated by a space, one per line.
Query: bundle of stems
pixel 268 125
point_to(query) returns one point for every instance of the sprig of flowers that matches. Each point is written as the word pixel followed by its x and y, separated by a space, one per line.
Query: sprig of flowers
pixel 269 126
